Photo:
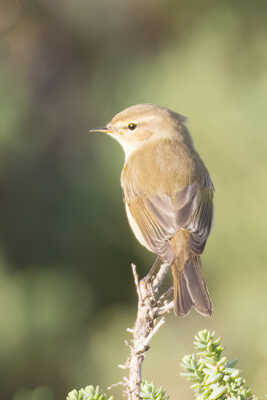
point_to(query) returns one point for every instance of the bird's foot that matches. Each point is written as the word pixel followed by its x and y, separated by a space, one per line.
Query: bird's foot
pixel 147 280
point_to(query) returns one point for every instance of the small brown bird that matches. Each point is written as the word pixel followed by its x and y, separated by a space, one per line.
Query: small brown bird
pixel 168 195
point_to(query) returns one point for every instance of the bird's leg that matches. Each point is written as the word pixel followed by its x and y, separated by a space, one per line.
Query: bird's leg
pixel 151 272
pixel 167 296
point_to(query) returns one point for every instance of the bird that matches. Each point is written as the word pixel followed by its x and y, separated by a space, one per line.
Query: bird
pixel 168 196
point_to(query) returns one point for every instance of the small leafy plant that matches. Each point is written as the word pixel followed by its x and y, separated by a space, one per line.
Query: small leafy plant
pixel 213 376
pixel 149 392
pixel 88 393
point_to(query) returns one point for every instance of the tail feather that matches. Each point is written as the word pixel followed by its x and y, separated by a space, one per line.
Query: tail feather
pixel 182 299
pixel 190 288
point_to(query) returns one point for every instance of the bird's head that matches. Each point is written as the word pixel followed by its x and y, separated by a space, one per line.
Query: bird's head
pixel 139 124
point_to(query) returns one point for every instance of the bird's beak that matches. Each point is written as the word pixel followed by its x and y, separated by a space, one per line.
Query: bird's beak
pixel 103 130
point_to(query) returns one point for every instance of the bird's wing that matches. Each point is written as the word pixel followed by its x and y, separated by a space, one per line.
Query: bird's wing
pixel 156 222
pixel 195 212
pixel 158 217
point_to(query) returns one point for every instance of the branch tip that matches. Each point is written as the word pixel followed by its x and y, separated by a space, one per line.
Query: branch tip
pixel 150 317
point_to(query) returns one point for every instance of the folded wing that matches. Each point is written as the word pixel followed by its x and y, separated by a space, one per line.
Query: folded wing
pixel 159 217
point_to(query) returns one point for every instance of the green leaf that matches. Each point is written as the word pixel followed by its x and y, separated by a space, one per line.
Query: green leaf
pixel 231 364
pixel 149 392
pixel 217 391
pixel 88 393
pixel 214 376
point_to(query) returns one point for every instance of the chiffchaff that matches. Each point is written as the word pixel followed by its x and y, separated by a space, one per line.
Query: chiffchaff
pixel 168 195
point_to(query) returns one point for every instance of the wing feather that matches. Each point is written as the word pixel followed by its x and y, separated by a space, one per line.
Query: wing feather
pixel 156 232
pixel 159 217
pixel 196 215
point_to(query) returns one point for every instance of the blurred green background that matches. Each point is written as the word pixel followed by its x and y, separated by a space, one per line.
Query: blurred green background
pixel 66 291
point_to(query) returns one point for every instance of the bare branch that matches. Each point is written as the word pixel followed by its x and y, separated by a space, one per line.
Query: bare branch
pixel 151 308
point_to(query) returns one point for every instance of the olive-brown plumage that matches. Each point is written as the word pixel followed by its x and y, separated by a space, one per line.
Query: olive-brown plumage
pixel 168 196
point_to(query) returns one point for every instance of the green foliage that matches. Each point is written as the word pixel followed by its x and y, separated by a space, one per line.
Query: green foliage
pixel 88 393
pixel 149 392
pixel 213 376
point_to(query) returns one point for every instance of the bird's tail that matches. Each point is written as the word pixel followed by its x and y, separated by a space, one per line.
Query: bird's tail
pixel 189 287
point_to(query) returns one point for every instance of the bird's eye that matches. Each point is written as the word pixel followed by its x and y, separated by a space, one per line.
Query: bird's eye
pixel 132 126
